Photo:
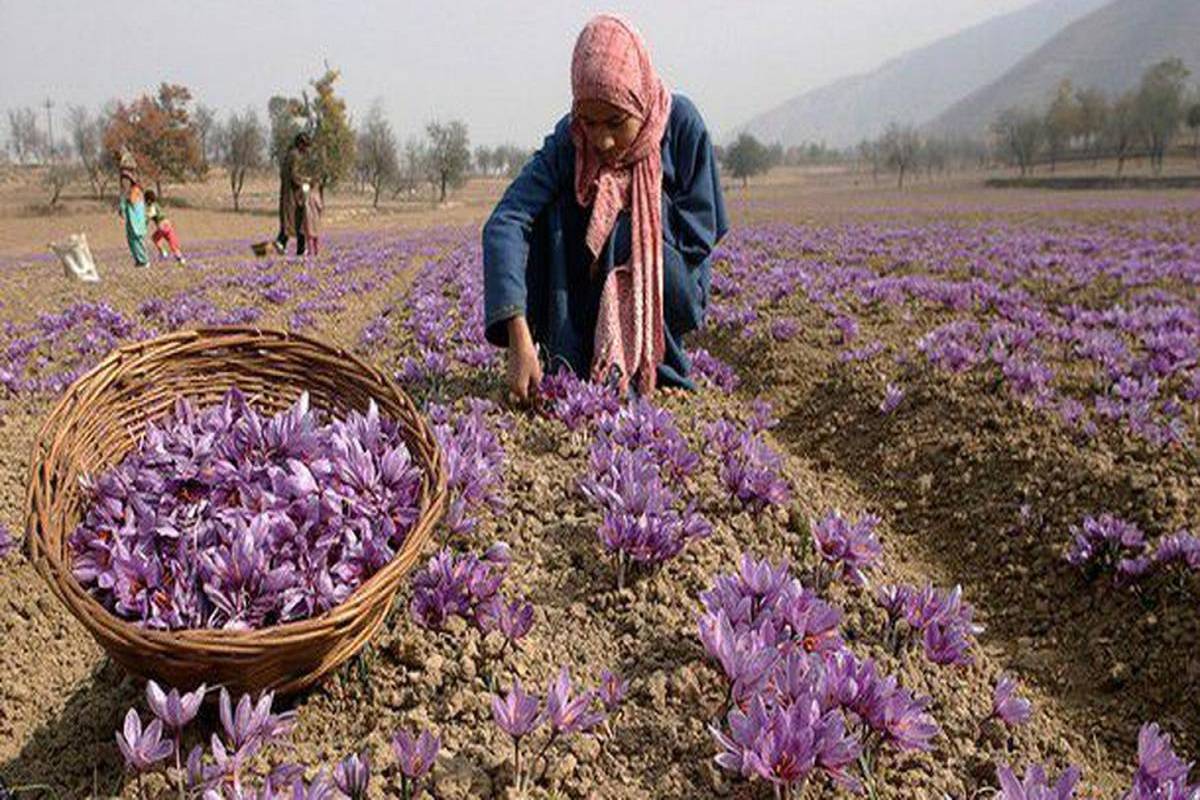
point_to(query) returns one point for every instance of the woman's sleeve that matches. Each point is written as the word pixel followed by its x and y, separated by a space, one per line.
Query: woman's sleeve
pixel 695 223
pixel 696 210
pixel 508 233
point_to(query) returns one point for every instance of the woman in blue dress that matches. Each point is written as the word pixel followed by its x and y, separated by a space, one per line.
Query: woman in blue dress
pixel 598 254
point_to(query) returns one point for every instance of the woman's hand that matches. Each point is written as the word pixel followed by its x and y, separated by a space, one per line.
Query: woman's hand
pixel 524 369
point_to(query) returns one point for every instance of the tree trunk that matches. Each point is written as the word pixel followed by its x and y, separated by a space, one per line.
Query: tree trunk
pixel 158 187
pixel 443 194
pixel 378 186
pixel 237 179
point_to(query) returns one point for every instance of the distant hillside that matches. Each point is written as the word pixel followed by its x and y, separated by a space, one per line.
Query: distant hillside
pixel 1109 49
pixel 919 85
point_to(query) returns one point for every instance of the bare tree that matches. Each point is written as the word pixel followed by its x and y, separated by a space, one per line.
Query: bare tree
pixel 1160 106
pixel 449 154
pixel 483 160
pixel 24 137
pixel 901 145
pixel 934 155
pixel 58 176
pixel 378 162
pixel 1193 123
pixel 507 159
pixel 413 167
pixel 1020 135
pixel 86 135
pixel 868 151
pixel 1093 110
pixel 1123 129
pixel 241 144
pixel 204 120
pixel 1062 122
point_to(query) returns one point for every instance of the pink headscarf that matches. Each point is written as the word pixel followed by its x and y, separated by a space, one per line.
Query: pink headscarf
pixel 611 63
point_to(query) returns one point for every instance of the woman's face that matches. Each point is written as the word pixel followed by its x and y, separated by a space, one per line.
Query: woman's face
pixel 610 130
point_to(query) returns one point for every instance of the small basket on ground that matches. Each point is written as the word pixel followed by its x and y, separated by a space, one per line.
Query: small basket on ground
pixel 100 419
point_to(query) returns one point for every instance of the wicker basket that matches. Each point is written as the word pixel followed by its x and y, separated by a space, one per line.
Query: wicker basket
pixel 100 419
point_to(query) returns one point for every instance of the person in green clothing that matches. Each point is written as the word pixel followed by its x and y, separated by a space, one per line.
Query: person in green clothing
pixel 133 211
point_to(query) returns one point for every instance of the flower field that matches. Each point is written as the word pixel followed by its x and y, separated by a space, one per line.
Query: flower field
pixel 929 529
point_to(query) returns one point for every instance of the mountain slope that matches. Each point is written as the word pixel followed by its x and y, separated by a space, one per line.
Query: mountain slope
pixel 1108 49
pixel 918 85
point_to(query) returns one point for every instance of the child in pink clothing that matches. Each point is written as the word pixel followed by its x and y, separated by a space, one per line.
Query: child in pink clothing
pixel 164 232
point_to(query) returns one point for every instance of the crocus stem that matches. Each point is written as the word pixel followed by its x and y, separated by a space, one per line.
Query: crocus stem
pixel 140 787
pixel 517 761
pixel 405 791
pixel 541 756
pixel 179 764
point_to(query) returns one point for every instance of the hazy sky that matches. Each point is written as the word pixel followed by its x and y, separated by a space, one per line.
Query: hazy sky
pixel 501 67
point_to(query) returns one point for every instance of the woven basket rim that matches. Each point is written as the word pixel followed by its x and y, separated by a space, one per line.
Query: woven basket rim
pixel 58 574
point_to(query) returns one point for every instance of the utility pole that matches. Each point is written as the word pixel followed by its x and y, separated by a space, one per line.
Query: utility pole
pixel 49 104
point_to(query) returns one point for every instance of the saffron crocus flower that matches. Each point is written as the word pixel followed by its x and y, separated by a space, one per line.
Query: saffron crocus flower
pixel 893 396
pixel 905 720
pixel 762 415
pixel 1036 786
pixel 142 748
pixel 745 657
pixel 946 645
pixel 612 690
pixel 415 753
pixel 353 776
pixel 457 585
pixel 852 547
pixel 175 710
pixel 714 371
pixel 1006 706
pixel 1101 542
pixel 512 618
pixel 6 541
pixel 787 745
pixel 567 713
pixel 517 713
pixel 1179 548
pixel 1159 770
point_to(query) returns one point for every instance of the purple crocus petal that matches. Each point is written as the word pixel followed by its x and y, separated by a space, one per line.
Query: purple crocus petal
pixel 352 775
pixel 142 748
pixel 1006 706
pixel 415 753
pixel 517 713
pixel 612 690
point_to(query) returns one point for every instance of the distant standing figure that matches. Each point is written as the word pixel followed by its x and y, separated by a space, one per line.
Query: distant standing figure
pixel 294 186
pixel 599 252
pixel 309 222
pixel 133 210
pixel 164 231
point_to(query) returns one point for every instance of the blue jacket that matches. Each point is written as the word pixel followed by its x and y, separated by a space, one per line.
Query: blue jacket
pixel 536 262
